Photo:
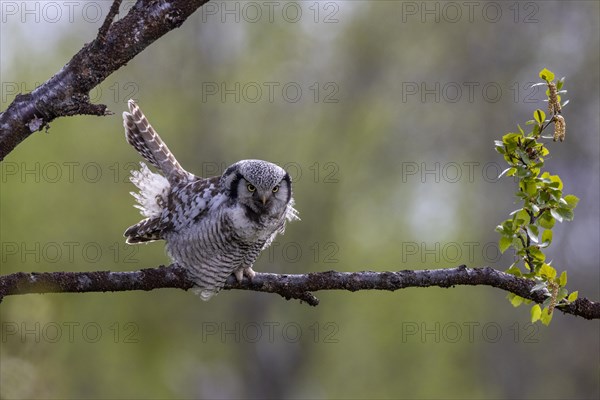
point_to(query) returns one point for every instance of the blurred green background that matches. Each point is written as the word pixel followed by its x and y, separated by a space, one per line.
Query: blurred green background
pixel 385 115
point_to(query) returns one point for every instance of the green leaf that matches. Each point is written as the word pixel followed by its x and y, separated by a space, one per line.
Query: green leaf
pixel 573 296
pixel 536 313
pixel 539 116
pixel 556 181
pixel 511 138
pixel 515 300
pixel 547 75
pixel 530 188
pixel 546 221
pixel 505 243
pixel 571 200
pixel 547 236
pixel 554 194
pixel 523 156
pixel 553 180
pixel 537 254
pixel 560 83
pixel 546 317
pixel 508 172
pixel 562 293
pixel 566 213
pixel 547 271
pixel 514 270
pixel 522 216
pixel 562 281
pixel 533 232
pixel 556 215
pixel 522 171
pixel 505 228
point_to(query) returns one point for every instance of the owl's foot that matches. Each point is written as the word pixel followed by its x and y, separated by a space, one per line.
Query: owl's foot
pixel 241 271
pixel 250 273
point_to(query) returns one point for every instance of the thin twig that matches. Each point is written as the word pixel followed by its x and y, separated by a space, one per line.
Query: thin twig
pixel 114 10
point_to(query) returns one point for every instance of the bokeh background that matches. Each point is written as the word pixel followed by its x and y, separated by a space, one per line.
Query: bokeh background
pixel 385 114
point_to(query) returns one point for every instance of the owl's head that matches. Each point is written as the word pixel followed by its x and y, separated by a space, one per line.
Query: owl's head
pixel 263 188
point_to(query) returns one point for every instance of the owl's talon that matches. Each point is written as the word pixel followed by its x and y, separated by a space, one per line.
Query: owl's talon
pixel 239 274
pixel 241 271
pixel 250 273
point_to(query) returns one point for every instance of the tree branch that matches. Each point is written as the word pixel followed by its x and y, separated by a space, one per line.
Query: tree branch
pixel 67 92
pixel 288 286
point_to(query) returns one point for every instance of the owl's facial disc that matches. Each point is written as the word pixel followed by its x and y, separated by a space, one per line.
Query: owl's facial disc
pixel 262 188
pixel 262 199
pixel 259 196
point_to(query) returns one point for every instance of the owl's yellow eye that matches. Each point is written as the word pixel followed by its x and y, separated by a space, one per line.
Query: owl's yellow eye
pixel 251 188
pixel 276 189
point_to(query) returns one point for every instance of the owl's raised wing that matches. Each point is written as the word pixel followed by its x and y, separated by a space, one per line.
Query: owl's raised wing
pixel 140 134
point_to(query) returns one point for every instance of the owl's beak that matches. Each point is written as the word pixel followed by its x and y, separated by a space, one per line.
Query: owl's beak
pixel 263 198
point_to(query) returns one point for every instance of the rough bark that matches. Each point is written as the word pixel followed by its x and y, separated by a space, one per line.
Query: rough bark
pixel 298 286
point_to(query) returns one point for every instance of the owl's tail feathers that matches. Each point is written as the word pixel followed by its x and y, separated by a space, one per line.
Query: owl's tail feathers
pixel 151 199
pixel 147 230
pixel 140 134
pixel 205 294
